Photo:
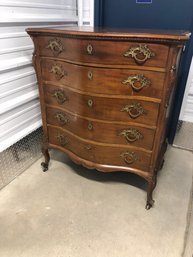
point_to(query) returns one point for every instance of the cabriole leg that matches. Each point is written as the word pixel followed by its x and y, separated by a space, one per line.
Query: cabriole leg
pixel 151 186
pixel 45 153
pixel 47 159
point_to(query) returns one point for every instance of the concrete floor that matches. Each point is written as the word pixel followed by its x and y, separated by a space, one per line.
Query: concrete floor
pixel 70 211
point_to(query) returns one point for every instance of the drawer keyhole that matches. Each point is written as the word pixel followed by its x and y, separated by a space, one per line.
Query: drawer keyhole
pixel 90 103
pixel 89 49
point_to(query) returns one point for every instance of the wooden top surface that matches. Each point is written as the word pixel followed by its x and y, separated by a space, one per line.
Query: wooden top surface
pixel 176 35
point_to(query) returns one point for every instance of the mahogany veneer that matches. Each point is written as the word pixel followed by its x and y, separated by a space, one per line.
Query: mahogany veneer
pixel 105 96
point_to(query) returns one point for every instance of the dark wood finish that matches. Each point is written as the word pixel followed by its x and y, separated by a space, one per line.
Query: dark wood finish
pixel 105 81
pixel 106 96
pixel 103 108
pixel 100 153
pixel 105 52
pixel 101 131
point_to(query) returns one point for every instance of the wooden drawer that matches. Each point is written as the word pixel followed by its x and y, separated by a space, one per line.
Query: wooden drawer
pixel 102 80
pixel 100 131
pixel 104 52
pixel 100 153
pixel 103 108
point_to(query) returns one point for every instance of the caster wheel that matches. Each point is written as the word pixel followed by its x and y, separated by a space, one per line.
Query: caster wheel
pixel 149 204
pixel 44 166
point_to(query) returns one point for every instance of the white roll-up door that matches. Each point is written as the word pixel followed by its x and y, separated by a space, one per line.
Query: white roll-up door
pixel 19 103
pixel 186 113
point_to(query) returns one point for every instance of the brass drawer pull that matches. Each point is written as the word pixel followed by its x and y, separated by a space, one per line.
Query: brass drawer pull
pixel 60 96
pixel 134 80
pixel 55 46
pixel 129 157
pixel 61 118
pixel 88 147
pixel 90 126
pixel 131 135
pixel 90 103
pixel 140 54
pixel 89 49
pixel 134 110
pixel 90 75
pixel 58 71
pixel 63 140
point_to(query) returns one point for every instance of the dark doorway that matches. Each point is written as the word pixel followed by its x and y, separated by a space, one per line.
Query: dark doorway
pixel 172 14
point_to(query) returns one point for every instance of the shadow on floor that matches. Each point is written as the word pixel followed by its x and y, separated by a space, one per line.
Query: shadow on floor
pixel 107 177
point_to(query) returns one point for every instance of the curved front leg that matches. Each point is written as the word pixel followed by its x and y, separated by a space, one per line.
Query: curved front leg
pixel 45 153
pixel 47 159
pixel 151 186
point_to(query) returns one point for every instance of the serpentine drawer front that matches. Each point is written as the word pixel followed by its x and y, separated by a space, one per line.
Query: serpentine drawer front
pixel 104 80
pixel 101 153
pixel 104 108
pixel 104 52
pixel 92 129
pixel 105 96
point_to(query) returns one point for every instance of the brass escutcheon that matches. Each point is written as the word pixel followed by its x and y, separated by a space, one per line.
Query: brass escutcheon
pixel 89 49
pixel 135 79
pixel 131 134
pixel 129 157
pixel 55 45
pixel 90 103
pixel 88 147
pixel 90 75
pixel 134 110
pixel 90 126
pixel 61 118
pixel 60 96
pixel 140 54
pixel 58 71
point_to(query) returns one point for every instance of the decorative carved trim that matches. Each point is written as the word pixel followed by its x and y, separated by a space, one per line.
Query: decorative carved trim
pixel 120 38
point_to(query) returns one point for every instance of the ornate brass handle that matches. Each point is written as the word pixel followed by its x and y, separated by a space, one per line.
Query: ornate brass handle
pixel 131 135
pixel 134 110
pixel 63 140
pixel 140 54
pixel 61 118
pixel 136 79
pixel 58 71
pixel 89 49
pixel 55 46
pixel 129 157
pixel 60 96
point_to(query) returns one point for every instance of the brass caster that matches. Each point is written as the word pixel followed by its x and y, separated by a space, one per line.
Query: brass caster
pixel 44 166
pixel 149 204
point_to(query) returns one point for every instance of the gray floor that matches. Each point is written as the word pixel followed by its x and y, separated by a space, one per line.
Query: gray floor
pixel 74 212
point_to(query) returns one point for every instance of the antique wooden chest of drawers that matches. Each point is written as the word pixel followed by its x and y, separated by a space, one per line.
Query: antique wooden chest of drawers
pixel 106 96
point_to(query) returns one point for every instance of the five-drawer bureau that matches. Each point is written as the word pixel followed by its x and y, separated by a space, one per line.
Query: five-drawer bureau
pixel 106 96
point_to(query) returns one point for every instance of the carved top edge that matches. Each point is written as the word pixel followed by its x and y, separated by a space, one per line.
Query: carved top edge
pixel 170 36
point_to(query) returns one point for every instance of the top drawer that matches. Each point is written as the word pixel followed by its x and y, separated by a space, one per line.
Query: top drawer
pixel 104 52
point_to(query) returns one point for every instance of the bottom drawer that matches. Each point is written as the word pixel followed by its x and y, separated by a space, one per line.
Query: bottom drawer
pixel 105 154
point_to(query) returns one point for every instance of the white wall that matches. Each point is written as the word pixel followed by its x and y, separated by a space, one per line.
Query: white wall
pixel 186 113
pixel 19 103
